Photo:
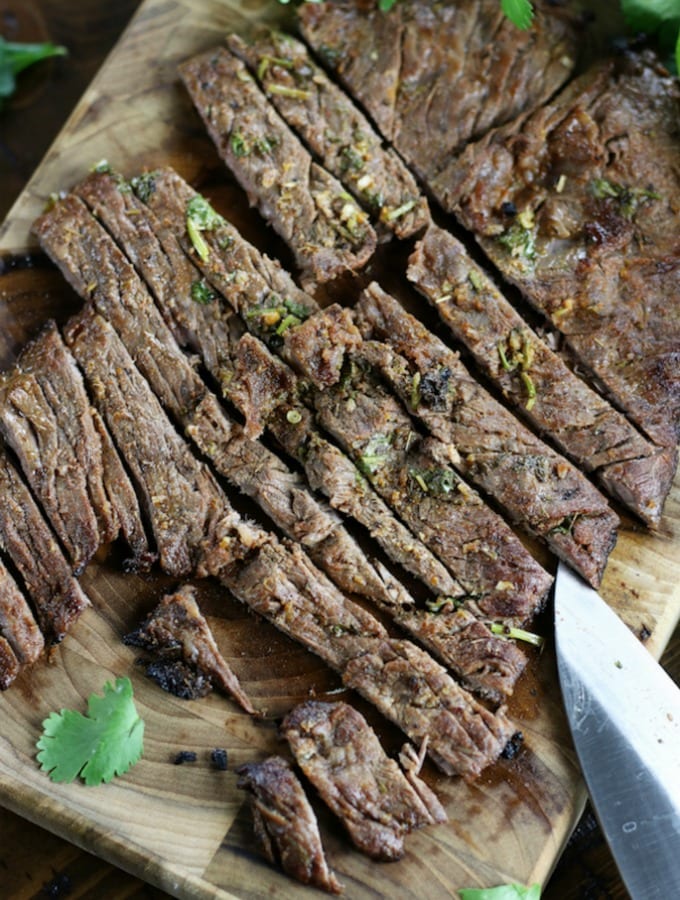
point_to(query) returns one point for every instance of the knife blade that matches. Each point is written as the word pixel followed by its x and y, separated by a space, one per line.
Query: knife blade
pixel 624 715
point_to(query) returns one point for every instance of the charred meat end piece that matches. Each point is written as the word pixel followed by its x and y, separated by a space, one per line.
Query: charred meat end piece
pixel 285 825
pixel 324 226
pixel 17 624
pixel 342 757
pixel 9 664
pixel 177 628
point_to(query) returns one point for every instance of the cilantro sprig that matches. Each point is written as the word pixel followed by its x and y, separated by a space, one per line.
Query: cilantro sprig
pixel 502 892
pixel 14 58
pixel 105 742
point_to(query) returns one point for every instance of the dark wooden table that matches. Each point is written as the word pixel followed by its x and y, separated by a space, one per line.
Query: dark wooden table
pixel 33 862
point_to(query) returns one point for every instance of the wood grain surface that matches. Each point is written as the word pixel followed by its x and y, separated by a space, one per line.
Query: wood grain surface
pixel 183 828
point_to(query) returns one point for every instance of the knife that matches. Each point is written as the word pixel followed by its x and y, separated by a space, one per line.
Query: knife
pixel 624 715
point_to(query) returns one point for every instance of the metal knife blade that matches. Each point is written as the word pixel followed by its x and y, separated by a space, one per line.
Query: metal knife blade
pixel 624 714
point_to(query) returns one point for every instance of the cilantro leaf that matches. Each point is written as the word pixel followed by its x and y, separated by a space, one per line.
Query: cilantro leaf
pixel 659 19
pixel 14 58
pixel 520 12
pixel 502 892
pixel 107 741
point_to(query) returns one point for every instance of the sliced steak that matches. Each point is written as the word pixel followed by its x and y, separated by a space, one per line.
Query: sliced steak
pixel 536 486
pixel 325 228
pixel 57 597
pixel 435 75
pixel 594 244
pixel 176 629
pixel 9 664
pixel 536 380
pixel 17 623
pixel 342 757
pixel 255 470
pixel 46 419
pixel 333 128
pixel 285 825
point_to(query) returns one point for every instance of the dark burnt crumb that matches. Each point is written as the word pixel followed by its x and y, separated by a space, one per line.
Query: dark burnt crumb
pixel 513 746
pixel 184 756
pixel 508 208
pixel 219 759
pixel 644 633
pixel 60 886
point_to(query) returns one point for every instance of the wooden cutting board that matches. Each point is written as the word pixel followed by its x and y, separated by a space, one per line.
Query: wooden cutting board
pixel 184 827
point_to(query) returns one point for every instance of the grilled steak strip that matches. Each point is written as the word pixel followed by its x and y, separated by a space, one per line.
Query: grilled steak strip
pixel 582 424
pixel 45 417
pixel 258 472
pixel 57 597
pixel 334 129
pixel 594 246
pixel 285 825
pixel 325 228
pixel 537 487
pixel 485 663
pixel 435 75
pixel 9 664
pixel 279 583
pixel 342 757
pixel 176 628
pixel 17 623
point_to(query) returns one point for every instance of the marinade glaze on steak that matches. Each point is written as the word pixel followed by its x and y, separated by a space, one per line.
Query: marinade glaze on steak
pixel 177 635
pixel 324 226
pixel 595 243
pixel 537 487
pixel 21 641
pixel 335 130
pixel 255 470
pixel 536 380
pixel 435 75
pixel 342 757
pixel 46 418
pixel 285 825
pixel 57 597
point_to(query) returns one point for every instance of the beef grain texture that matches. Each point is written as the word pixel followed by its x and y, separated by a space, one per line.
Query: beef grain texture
pixel 536 486
pixel 559 404
pixel 46 418
pixel 285 825
pixel 595 245
pixel 9 664
pixel 335 130
pixel 17 623
pixel 435 75
pixel 176 629
pixel 327 231
pixel 342 757
pixel 57 597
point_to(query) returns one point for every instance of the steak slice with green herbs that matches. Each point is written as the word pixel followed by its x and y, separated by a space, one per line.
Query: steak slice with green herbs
pixel 536 381
pixel 435 75
pixel 538 488
pixel 327 231
pixel 577 205
pixel 340 754
pixel 335 130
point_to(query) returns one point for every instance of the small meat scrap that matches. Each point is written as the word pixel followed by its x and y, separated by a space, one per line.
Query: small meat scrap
pixel 335 130
pixel 17 624
pixel 33 548
pixel 9 664
pixel 46 418
pixel 576 205
pixel 285 825
pixel 342 757
pixel 435 75
pixel 324 226
pixel 177 630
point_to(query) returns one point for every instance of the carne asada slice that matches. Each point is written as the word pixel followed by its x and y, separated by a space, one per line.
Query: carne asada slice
pixel 46 419
pixel 576 205
pixel 9 664
pixel 536 486
pixel 181 498
pixel 125 301
pixel 335 130
pixel 17 623
pixel 435 75
pixel 536 380
pixel 342 757
pixel 177 630
pixel 325 228
pixel 285 825
pixel 57 597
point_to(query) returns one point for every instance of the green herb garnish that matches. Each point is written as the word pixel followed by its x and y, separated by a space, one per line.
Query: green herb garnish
pixel 375 454
pixel 14 58
pixel 201 292
pixel 517 634
pixel 239 145
pixel 519 241
pixel 201 217
pixel 106 741
pixel 502 892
